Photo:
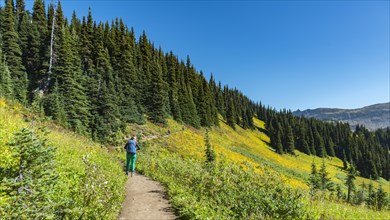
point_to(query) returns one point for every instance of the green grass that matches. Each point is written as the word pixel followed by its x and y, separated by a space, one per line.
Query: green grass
pixel 177 161
pixel 248 181
pixel 89 188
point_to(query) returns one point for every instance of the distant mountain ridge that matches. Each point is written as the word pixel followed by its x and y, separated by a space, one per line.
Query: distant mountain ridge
pixel 372 117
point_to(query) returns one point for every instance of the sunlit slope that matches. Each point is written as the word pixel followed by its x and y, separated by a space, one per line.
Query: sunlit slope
pixel 248 145
pixel 102 199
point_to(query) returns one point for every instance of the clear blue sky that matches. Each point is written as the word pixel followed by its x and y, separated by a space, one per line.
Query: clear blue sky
pixel 286 54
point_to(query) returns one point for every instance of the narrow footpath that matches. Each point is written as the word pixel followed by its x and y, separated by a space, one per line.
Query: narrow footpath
pixel 145 199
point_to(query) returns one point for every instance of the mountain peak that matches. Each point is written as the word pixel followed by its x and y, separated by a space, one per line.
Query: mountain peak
pixel 372 117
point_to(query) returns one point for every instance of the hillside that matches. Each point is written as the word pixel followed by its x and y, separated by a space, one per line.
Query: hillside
pixel 88 181
pixel 242 146
pixel 177 159
pixel 242 155
pixel 372 117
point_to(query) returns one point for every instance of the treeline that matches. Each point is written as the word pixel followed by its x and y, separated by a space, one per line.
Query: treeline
pixel 96 77
pixel 365 150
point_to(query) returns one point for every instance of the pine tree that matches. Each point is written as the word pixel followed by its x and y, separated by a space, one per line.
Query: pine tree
pixel 6 89
pixel 155 101
pixel 210 153
pixel 345 163
pixel 314 179
pixel 56 16
pixel 278 144
pixel 302 142
pixel 360 195
pixel 39 17
pixel 20 11
pixel 381 196
pixel 244 120
pixel 203 106
pixel 107 122
pixel 54 105
pixel 75 23
pixel 28 183
pixel 32 58
pixel 350 182
pixel 165 85
pixel 221 102
pixel 174 87
pixel 40 61
pixel 5 76
pixel 230 113
pixel 86 46
pixel 311 142
pixel 145 61
pixel 127 75
pixel 106 114
pixel 371 199
pixel 24 27
pixel 187 105
pixel 325 182
pixel 13 54
pixel 68 72
pixel 213 97
pixel 330 147
pixel 290 141
pixel 319 143
pixel 339 193
pixel 249 117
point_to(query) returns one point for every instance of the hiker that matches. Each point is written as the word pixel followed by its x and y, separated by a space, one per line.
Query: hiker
pixel 131 154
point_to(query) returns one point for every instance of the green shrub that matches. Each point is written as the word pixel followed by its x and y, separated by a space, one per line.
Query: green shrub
pixel 29 185
pixel 94 195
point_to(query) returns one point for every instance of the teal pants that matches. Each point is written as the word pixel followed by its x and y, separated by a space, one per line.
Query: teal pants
pixel 130 158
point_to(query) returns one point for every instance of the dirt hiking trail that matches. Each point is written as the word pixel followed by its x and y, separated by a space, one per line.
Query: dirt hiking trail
pixel 145 199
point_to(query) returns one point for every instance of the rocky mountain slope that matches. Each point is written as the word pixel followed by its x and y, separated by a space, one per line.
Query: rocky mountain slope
pixel 372 117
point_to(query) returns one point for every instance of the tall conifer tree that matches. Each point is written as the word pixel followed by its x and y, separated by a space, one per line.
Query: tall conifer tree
pixel 107 122
pixel 145 62
pixel 290 141
pixel 32 58
pixel 13 54
pixel 302 142
pixel 173 93
pixel 67 71
pixel 187 105
pixel 40 21
pixel 230 113
pixel 156 104
pixel 350 182
pixel 128 79
pixel 20 11
pixel 6 84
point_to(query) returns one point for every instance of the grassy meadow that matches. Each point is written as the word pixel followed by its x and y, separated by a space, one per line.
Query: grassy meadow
pixel 89 179
pixel 247 181
pixel 181 155
pixel 249 146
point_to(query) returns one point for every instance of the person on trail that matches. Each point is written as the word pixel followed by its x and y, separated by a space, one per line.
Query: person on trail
pixel 131 154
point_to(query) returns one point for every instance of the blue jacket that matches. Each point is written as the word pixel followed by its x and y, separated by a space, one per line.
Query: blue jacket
pixel 131 147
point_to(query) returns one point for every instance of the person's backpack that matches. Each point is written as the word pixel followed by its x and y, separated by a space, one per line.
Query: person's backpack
pixel 131 146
